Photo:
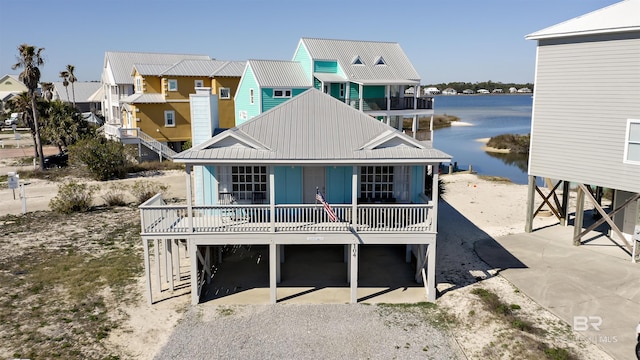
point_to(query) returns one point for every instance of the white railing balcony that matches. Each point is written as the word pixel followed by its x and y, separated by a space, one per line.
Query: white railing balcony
pixel 160 218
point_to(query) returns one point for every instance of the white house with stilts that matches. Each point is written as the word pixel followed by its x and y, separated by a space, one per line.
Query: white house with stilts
pixel 586 119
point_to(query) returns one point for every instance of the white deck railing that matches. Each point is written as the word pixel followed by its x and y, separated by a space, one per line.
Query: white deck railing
pixel 160 218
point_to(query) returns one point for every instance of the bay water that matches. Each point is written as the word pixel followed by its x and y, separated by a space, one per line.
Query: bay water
pixel 484 116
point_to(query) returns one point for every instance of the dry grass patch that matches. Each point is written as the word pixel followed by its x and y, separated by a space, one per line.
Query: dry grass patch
pixel 63 278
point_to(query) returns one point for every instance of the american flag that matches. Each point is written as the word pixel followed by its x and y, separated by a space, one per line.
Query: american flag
pixel 327 207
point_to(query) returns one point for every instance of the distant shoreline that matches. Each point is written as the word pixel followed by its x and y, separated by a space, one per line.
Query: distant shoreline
pixel 492 149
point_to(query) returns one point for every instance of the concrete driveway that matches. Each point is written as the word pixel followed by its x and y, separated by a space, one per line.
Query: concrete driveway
pixel 594 287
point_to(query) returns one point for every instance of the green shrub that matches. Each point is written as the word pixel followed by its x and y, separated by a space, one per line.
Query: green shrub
pixel 116 195
pixel 105 159
pixel 517 144
pixel 558 354
pixel 144 190
pixel 73 197
pixel 187 145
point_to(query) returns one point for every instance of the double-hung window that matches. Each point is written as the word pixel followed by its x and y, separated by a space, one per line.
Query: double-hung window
pixel 281 93
pixel 172 85
pixel 225 93
pixel 251 96
pixel 632 146
pixel 197 83
pixel 169 118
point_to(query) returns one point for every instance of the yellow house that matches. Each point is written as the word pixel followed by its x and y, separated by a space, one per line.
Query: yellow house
pixel 160 106
pixel 10 86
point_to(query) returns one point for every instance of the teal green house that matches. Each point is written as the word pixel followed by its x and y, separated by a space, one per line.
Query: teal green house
pixel 374 77
pixel 266 84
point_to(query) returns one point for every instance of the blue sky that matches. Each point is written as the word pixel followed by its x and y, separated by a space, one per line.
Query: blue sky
pixel 464 40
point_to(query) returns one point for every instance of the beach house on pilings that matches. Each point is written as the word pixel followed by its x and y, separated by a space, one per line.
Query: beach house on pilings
pixel 258 186
pixel 586 117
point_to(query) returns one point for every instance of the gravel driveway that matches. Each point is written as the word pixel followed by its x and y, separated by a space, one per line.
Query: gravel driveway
pixel 354 331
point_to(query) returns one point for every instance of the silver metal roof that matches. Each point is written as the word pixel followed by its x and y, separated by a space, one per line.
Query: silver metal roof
pixel 278 73
pixel 398 66
pixel 144 99
pixel 231 68
pixel 312 128
pixel 190 67
pixel 149 69
pixel 122 62
pixel 328 77
pixel 83 91
pixel 619 17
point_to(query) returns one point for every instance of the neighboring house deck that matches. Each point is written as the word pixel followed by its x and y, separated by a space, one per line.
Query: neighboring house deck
pixel 258 184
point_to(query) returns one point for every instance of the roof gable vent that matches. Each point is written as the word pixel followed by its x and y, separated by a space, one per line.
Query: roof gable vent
pixel 391 139
pixel 357 61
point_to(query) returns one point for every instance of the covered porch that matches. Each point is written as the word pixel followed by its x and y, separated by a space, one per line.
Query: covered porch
pixel 189 236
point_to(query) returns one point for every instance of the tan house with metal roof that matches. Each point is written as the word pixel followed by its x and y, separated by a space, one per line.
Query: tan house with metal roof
pixel 148 96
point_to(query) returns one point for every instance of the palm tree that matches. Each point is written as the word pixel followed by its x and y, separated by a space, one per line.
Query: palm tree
pixel 72 79
pixel 47 90
pixel 65 81
pixel 63 124
pixel 29 59
pixel 21 103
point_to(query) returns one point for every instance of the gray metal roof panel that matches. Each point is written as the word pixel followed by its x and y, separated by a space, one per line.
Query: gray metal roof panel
pixel 149 69
pixel 623 16
pixel 312 127
pixel 231 68
pixel 329 77
pixel 398 66
pixel 189 67
pixel 278 73
pixel 83 91
pixel 144 99
pixel 122 62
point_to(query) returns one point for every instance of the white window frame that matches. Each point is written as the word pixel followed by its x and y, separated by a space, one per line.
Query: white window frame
pixel 242 181
pixel 357 61
pixel 198 83
pixel 380 61
pixel 284 93
pixel 377 182
pixel 169 114
pixel 251 96
pixel 221 93
pixel 628 141
pixel 138 84
pixel 172 85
